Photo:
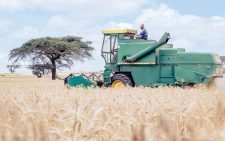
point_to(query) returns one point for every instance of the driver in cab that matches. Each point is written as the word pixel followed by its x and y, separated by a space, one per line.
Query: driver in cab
pixel 143 34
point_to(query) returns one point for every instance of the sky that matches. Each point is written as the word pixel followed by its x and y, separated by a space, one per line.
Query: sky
pixel 194 25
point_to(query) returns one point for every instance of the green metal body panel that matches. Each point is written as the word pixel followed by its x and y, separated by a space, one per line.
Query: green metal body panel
pixel 107 75
pixel 148 50
pixel 149 62
pixel 144 75
pixel 129 47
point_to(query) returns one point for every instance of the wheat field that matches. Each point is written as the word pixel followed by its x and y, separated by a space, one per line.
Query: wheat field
pixel 34 109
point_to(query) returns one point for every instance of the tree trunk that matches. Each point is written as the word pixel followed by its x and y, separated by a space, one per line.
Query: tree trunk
pixel 53 70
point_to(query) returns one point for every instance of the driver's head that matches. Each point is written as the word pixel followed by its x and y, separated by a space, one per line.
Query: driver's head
pixel 142 26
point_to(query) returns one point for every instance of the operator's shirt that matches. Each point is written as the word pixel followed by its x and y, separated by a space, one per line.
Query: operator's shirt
pixel 144 34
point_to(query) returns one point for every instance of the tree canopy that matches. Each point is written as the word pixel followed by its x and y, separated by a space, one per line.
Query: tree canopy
pixel 57 52
pixel 40 69
pixel 12 68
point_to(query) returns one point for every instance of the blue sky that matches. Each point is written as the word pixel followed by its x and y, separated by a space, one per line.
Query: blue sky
pixel 205 8
pixel 194 25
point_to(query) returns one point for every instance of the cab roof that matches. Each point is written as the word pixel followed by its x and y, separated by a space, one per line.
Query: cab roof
pixel 120 31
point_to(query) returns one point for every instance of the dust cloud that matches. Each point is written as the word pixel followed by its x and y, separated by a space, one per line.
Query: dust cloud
pixel 218 83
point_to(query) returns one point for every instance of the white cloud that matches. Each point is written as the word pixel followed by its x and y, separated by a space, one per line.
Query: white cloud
pixel 27 32
pixel 189 31
pixel 93 8
pixel 120 25
pixel 183 43
pixel 59 25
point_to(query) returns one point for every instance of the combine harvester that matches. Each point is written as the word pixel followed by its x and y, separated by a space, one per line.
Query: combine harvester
pixel 137 62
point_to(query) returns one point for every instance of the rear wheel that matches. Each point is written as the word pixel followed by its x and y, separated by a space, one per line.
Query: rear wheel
pixel 121 81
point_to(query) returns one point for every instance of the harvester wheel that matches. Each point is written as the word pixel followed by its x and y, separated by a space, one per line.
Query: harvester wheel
pixel 121 81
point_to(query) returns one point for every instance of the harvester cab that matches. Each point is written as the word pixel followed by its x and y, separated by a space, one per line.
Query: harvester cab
pixel 110 43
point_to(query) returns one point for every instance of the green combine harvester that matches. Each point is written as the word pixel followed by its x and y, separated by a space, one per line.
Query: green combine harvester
pixel 138 62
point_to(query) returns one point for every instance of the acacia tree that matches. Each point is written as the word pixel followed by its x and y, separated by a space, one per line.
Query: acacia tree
pixel 12 68
pixel 40 69
pixel 58 52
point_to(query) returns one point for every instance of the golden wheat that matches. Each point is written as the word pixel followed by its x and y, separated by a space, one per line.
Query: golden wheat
pixel 40 110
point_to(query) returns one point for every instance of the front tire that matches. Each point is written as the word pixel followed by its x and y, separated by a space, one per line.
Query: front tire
pixel 121 81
